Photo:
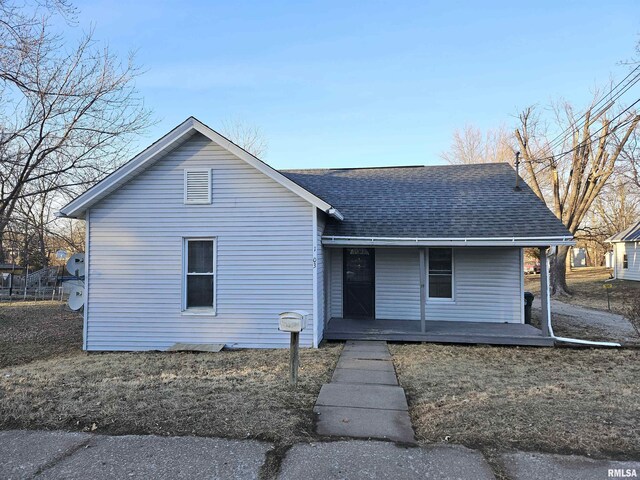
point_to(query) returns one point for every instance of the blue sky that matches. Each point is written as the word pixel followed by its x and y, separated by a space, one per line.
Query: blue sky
pixel 348 83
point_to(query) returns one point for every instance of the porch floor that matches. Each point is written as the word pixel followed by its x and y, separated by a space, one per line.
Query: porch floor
pixel 436 331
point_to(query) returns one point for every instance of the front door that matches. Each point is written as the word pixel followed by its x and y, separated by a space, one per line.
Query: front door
pixel 359 283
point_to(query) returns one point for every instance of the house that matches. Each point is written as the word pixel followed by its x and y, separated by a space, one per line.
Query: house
pixel 626 253
pixel 195 240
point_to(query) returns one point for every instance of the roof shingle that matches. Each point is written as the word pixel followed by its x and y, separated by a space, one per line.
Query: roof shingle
pixel 445 201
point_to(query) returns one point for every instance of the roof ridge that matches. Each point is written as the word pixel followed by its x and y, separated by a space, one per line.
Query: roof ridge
pixel 385 167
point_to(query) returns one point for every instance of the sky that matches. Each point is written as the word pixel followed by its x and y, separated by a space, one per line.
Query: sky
pixel 375 83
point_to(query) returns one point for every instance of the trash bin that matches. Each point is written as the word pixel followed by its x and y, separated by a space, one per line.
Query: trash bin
pixel 528 301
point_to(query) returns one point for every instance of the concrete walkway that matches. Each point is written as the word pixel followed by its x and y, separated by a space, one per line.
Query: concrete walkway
pixel 70 456
pixel 363 399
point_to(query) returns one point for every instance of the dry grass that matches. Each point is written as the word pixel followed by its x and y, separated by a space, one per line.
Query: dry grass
pixel 238 394
pixel 47 382
pixel 588 291
pixel 555 400
pixel 36 330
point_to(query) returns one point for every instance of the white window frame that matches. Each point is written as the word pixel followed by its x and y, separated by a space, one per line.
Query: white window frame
pixel 185 265
pixel 186 172
pixel 452 299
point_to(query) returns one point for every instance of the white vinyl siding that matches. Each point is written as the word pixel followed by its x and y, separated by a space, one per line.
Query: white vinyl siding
pixel 397 284
pixel 197 186
pixel 487 287
pixel 632 251
pixel 335 282
pixel 264 256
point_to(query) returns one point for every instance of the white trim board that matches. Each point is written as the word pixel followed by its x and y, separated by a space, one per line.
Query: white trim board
pixel 77 207
pixel 87 263
pixel 314 259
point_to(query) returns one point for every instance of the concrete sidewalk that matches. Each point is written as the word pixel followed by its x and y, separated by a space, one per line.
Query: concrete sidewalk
pixel 62 455
pixel 364 399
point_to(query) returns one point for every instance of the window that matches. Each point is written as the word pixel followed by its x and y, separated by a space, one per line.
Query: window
pixel 199 275
pixel 625 261
pixel 440 273
pixel 197 186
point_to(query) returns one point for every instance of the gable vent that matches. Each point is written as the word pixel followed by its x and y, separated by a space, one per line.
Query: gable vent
pixel 197 186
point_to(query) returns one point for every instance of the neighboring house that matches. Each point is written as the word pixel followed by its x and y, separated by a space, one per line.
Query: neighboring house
pixel 197 241
pixel 626 253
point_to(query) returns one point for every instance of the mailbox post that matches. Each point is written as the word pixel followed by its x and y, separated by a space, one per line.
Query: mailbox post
pixel 293 321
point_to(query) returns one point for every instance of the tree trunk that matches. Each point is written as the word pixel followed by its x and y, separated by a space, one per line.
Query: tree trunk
pixel 559 272
pixel 3 244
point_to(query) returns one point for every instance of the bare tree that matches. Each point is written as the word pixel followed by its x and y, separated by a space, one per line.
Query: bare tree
pixel 247 136
pixel 67 114
pixel 570 174
pixel 471 145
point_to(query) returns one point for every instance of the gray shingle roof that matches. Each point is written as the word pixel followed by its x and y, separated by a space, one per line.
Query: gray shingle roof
pixel 447 201
pixel 629 234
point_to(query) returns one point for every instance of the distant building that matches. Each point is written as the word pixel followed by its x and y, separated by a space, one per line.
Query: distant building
pixel 626 253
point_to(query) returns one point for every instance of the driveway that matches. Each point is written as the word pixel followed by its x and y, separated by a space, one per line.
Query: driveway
pixel 615 326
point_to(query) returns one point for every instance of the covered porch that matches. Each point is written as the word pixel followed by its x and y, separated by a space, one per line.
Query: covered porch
pixel 469 293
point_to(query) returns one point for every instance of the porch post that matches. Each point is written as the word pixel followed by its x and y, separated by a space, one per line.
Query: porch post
pixel 423 291
pixel 545 297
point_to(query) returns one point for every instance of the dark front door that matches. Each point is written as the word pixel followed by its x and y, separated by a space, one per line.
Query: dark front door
pixel 359 283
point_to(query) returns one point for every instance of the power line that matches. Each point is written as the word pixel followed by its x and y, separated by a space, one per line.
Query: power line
pixel 583 143
pixel 578 125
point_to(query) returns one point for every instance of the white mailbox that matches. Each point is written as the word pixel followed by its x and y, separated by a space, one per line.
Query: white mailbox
pixel 293 321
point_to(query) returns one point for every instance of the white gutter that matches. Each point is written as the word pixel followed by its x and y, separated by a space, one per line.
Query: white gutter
pixel 335 213
pixel 453 241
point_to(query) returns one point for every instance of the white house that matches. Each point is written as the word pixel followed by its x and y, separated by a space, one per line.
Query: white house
pixel 195 240
pixel 626 253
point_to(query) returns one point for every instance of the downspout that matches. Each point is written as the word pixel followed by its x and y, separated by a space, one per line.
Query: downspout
pixel 565 339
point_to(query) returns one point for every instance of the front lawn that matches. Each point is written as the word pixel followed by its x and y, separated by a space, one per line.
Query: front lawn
pixel 46 381
pixel 237 394
pixel 561 400
pixel 36 330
